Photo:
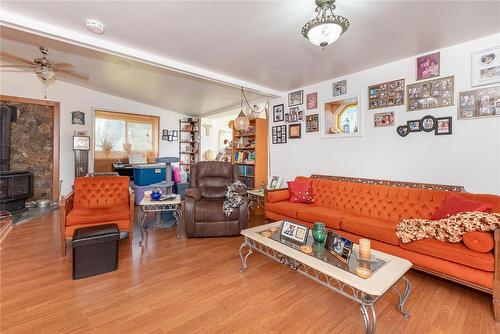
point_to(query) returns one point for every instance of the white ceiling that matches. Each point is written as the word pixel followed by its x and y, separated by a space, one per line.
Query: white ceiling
pixel 252 43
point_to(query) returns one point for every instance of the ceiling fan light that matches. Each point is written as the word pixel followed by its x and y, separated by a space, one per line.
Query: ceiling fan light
pixel 45 73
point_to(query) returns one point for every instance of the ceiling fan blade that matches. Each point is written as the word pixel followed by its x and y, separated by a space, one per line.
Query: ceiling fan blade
pixel 16 58
pixel 75 74
pixel 62 65
pixel 19 66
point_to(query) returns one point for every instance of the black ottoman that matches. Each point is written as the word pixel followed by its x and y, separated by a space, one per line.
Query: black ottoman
pixel 95 250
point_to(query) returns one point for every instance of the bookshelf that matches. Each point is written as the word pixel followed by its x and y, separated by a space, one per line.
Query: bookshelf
pixel 250 154
pixel 189 143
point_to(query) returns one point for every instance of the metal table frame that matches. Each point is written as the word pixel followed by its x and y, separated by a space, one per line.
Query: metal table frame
pixel 366 302
pixel 158 208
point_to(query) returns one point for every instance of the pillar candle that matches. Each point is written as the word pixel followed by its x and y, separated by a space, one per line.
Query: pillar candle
pixel 364 249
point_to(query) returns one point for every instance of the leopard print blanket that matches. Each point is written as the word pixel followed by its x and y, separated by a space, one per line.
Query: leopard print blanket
pixel 449 229
pixel 235 197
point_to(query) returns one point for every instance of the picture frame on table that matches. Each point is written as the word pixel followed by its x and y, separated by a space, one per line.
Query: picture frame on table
pixel 81 143
pixel 428 66
pixel 275 182
pixel 312 100
pixel 339 246
pixel 485 67
pixel 443 126
pixel 278 113
pixel 296 98
pixel 294 232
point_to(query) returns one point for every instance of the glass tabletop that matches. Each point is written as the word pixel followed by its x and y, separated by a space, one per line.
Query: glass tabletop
pixel 321 253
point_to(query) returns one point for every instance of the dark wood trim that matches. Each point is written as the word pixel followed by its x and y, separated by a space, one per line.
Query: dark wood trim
pixel 403 184
pixel 56 107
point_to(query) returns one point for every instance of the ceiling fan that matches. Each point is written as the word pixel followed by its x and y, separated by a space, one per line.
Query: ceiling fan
pixel 42 66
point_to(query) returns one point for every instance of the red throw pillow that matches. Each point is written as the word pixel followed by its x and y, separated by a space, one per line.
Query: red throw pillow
pixel 481 242
pixel 300 191
pixel 455 204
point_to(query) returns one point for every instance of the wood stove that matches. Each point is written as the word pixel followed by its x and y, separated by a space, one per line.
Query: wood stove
pixel 15 186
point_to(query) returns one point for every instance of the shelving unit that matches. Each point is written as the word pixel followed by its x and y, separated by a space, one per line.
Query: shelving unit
pixel 189 143
pixel 249 154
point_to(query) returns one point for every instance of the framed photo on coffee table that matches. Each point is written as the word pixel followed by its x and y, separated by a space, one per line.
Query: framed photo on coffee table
pixel 294 232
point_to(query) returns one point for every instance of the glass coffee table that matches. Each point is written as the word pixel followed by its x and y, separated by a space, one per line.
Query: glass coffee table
pixel 323 267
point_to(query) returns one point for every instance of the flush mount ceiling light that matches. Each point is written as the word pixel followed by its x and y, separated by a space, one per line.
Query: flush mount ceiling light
pixel 326 27
pixel 95 26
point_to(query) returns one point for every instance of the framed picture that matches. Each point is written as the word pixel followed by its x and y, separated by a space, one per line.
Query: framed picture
pixel 294 115
pixel 164 137
pixel 294 232
pixel 414 126
pixel 339 88
pixel 294 131
pixel 78 117
pixel 483 102
pixel 340 117
pixel 443 126
pixel 428 123
pixel 275 182
pixel 296 98
pixel 382 119
pixel 339 246
pixel 486 66
pixel 428 66
pixel 81 143
pixel 278 113
pixel 436 93
pixel 387 94
pixel 403 130
pixel 312 123
pixel 312 100
pixel 279 134
pixel 165 132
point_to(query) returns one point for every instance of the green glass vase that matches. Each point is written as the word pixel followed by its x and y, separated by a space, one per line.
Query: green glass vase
pixel 319 232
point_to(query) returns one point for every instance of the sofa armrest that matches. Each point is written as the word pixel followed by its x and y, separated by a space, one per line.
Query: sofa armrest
pixel 277 195
pixel 194 193
pixel 496 278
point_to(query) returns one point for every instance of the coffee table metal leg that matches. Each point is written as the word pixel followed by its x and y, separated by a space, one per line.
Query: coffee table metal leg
pixel 403 297
pixel 178 221
pixel 244 258
pixel 142 222
pixel 370 323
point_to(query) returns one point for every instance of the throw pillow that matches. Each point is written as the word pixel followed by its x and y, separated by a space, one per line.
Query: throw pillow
pixel 300 191
pixel 455 204
pixel 481 242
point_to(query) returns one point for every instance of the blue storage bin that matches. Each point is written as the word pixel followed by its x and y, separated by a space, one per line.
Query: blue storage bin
pixel 145 175
pixel 165 188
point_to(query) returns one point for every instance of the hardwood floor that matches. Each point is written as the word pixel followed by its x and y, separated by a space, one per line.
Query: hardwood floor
pixel 194 286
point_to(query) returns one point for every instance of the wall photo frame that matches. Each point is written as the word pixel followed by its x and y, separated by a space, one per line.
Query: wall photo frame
pixel 479 103
pixel 294 131
pixel 312 101
pixel 296 98
pixel 279 134
pixel 443 126
pixel 81 143
pixel 312 123
pixel 485 67
pixel 78 118
pixel 341 117
pixel 339 88
pixel 383 119
pixel 278 113
pixel 435 93
pixel 386 94
pixel 294 115
pixel 428 66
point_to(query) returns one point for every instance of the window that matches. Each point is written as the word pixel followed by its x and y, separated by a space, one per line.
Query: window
pixel 119 134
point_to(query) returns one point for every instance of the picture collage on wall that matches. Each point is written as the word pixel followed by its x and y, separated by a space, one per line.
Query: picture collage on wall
pixel 170 135
pixel 484 102
pixel 440 126
pixel 387 94
pixel 294 115
pixel 435 93
pixel 279 134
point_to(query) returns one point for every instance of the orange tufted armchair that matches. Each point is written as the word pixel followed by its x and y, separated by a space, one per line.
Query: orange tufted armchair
pixel 96 201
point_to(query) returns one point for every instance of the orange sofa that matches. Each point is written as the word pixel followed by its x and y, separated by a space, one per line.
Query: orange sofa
pixel 364 208
pixel 96 201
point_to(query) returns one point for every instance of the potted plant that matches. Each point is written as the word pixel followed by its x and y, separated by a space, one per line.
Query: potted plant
pixel 106 146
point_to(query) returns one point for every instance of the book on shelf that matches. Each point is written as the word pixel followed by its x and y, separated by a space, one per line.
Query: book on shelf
pixel 246 170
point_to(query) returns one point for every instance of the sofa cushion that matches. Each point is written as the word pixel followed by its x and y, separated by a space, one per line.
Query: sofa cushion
pixel 482 242
pixel 455 204
pixel 97 215
pixel 210 210
pixel 278 196
pixel 300 191
pixel 382 230
pixel 330 217
pixel 286 208
pixel 455 252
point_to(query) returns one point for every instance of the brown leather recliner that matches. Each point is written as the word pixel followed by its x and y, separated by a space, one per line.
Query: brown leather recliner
pixel 203 214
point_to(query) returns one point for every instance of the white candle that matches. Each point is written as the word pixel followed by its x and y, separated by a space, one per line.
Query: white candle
pixel 364 249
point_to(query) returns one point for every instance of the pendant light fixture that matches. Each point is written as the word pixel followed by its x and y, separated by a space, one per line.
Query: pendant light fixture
pixel 241 123
pixel 326 27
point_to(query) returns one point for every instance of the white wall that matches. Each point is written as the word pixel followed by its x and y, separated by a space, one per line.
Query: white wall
pixel 211 142
pixel 74 98
pixel 469 157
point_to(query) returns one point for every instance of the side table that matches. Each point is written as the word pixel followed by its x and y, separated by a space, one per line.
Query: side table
pixel 147 205
pixel 256 198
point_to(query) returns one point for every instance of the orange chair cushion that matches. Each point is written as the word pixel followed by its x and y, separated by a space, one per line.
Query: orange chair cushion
pixel 330 217
pixel 101 192
pixel 482 242
pixel 95 216
pixel 123 225
pixel 455 252
pixel 278 196
pixel 382 230
pixel 287 208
